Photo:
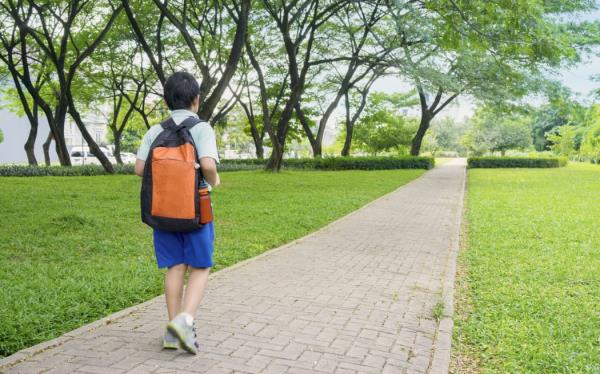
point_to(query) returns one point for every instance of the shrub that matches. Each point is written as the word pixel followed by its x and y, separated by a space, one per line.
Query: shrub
pixel 342 163
pixel 361 163
pixel 60 171
pixel 325 163
pixel 516 162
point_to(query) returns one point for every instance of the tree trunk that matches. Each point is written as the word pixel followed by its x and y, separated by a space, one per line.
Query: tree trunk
pixel 94 148
pixel 275 161
pixel 57 128
pixel 315 143
pixel 30 144
pixel 417 141
pixel 117 150
pixel 503 152
pixel 348 140
pixel 260 150
pixel 317 150
pixel 46 148
pixel 61 148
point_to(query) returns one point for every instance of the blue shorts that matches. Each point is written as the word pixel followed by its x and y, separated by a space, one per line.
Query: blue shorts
pixel 193 248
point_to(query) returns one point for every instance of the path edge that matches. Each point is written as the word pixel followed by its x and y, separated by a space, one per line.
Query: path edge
pixel 440 363
pixel 27 353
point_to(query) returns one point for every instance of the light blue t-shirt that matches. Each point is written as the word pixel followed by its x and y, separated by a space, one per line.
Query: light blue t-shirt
pixel 203 134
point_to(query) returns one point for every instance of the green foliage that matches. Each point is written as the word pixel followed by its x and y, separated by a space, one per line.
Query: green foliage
pixel 444 135
pixel 532 265
pixel 590 145
pixel 133 132
pixel 493 131
pixel 74 249
pixel 1 136
pixel 563 140
pixel 590 149
pixel 383 127
pixel 516 162
pixel 438 310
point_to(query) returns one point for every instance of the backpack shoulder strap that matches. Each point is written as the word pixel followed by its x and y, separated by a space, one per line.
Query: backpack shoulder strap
pixel 187 124
pixel 168 124
pixel 190 122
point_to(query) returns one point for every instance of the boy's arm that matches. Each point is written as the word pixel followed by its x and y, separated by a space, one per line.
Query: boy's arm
pixel 139 167
pixel 209 171
pixel 142 154
pixel 207 152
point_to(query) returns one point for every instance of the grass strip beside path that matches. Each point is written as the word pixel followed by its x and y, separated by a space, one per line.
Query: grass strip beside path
pixel 74 248
pixel 532 298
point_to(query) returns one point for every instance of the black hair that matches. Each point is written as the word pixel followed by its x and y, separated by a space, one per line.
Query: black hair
pixel 181 88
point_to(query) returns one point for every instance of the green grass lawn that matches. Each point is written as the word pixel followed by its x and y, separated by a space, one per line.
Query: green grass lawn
pixel 74 248
pixel 532 260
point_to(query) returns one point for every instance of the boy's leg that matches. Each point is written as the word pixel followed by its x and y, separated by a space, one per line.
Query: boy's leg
pixel 194 290
pixel 174 279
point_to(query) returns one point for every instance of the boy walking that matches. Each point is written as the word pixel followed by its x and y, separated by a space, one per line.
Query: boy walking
pixel 183 251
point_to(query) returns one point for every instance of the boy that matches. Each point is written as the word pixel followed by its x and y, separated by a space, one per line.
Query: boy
pixel 179 251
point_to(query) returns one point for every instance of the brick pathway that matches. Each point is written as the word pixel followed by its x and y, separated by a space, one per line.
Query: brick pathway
pixel 356 297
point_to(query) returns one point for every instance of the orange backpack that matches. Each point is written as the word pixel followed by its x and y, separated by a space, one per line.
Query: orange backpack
pixel 174 194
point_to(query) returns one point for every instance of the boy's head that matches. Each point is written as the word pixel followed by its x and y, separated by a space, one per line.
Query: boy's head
pixel 182 91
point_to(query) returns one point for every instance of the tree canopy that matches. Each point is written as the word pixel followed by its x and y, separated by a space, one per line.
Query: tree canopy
pixel 291 68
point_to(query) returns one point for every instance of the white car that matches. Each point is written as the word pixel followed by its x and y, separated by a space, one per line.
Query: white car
pixel 83 156
pixel 128 158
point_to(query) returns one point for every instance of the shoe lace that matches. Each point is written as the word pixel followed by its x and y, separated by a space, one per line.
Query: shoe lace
pixel 195 336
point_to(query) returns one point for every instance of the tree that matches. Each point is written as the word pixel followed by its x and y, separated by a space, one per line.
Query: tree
pixel 357 55
pixel 296 24
pixel 1 136
pixel 590 147
pixel 563 140
pixel 384 128
pixel 560 110
pixel 118 78
pixel 493 131
pixel 590 144
pixel 16 96
pixel 203 28
pixel 132 134
pixel 67 33
pixel 445 135
pixel 356 97
pixel 474 48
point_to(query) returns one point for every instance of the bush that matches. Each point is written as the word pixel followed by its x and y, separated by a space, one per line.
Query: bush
pixel 343 163
pixel 516 162
pixel 60 171
pixel 361 163
pixel 326 163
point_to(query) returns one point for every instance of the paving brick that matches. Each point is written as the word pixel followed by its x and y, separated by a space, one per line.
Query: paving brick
pixel 355 297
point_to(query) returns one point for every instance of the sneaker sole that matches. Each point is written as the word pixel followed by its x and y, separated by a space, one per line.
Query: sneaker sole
pixel 180 335
pixel 167 345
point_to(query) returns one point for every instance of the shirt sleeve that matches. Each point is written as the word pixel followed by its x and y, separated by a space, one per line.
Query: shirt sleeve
pixel 144 149
pixel 206 142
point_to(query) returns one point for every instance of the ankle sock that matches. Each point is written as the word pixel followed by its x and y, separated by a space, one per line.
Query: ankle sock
pixel 189 319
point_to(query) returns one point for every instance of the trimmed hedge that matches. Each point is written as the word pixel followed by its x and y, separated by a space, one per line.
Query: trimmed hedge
pixel 325 163
pixel 60 171
pixel 344 163
pixel 516 162
pixel 360 163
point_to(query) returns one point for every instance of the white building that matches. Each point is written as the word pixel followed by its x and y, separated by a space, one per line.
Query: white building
pixel 95 123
